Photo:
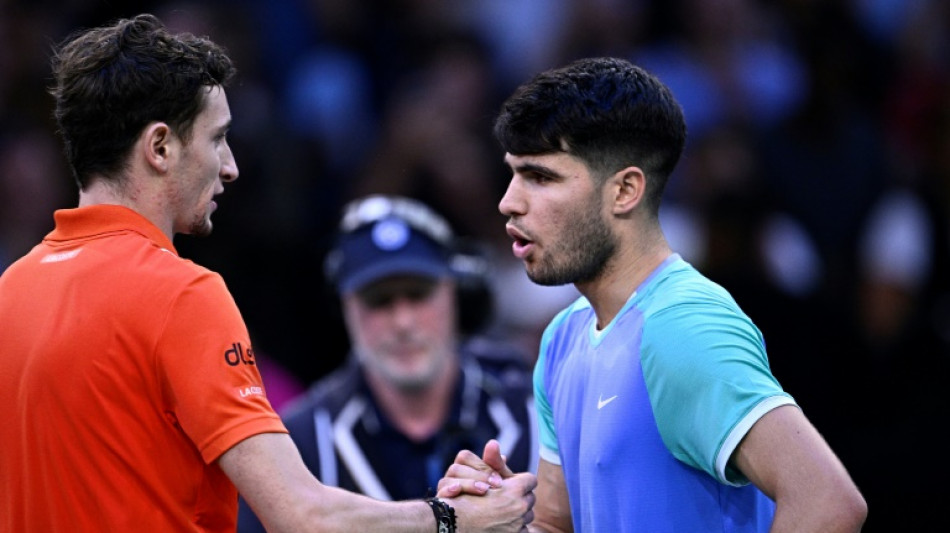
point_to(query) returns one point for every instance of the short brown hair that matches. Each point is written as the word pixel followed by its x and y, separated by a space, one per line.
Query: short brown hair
pixel 112 81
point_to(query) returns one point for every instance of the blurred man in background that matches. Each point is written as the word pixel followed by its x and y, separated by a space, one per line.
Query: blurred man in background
pixel 416 387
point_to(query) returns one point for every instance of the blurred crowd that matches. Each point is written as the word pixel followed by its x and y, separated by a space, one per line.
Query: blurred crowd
pixel 815 184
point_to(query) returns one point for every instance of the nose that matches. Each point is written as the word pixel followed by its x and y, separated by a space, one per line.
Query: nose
pixel 511 204
pixel 403 312
pixel 229 168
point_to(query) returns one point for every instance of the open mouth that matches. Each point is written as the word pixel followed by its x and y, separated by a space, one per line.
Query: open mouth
pixel 522 245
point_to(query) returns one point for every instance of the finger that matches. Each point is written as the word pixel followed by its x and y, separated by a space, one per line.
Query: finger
pixel 448 488
pixel 474 463
pixel 531 498
pixel 468 457
pixel 458 471
pixel 493 458
pixel 452 487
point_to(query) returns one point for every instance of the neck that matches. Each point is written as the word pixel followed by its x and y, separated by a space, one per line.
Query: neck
pixel 418 413
pixel 143 201
pixel 628 268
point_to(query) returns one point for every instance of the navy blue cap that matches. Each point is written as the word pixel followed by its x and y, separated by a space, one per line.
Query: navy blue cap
pixel 382 236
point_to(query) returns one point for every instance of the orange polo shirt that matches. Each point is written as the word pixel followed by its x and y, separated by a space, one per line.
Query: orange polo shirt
pixel 125 372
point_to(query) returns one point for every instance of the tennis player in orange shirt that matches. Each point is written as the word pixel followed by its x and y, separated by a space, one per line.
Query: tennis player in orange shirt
pixel 133 398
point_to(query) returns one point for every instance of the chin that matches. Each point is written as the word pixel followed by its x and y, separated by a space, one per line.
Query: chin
pixel 412 379
pixel 201 228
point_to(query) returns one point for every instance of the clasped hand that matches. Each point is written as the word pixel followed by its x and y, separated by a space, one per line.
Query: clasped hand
pixel 472 482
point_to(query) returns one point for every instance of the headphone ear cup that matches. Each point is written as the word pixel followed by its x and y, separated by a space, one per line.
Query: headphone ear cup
pixel 471 267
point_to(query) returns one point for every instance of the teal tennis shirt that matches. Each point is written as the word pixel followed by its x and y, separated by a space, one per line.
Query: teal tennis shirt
pixel 644 415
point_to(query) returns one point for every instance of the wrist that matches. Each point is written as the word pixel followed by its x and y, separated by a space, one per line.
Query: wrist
pixel 444 515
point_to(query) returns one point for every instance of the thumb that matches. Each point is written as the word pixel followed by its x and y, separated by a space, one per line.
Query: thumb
pixel 493 458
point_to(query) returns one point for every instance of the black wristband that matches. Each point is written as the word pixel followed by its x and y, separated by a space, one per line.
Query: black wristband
pixel 444 515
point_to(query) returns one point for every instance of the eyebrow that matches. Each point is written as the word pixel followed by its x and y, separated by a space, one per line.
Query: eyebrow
pixel 536 168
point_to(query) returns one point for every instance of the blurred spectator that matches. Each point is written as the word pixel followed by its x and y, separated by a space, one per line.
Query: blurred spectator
pixel 418 385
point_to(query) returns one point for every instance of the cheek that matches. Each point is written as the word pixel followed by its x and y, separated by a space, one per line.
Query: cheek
pixel 566 214
pixel 553 224
pixel 207 171
pixel 440 316
pixel 359 323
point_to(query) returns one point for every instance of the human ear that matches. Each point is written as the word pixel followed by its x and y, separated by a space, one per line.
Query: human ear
pixel 157 146
pixel 630 186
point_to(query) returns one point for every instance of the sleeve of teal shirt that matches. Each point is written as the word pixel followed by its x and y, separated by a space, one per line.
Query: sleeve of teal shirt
pixel 707 374
pixel 549 450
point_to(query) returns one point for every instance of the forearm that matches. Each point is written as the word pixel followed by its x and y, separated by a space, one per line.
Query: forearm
pixel 336 510
pixel 286 497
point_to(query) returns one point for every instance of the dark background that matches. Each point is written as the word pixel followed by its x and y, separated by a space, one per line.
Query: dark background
pixel 815 184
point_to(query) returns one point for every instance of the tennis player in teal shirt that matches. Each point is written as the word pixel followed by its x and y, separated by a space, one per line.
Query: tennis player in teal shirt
pixel 658 410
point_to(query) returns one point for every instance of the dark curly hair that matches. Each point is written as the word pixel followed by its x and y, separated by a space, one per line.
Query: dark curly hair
pixel 606 111
pixel 111 82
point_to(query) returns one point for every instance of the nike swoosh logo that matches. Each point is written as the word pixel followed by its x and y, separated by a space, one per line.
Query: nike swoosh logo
pixel 601 402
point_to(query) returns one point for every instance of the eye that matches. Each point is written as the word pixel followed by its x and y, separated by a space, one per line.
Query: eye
pixel 222 135
pixel 420 293
pixel 538 177
pixel 384 296
pixel 377 300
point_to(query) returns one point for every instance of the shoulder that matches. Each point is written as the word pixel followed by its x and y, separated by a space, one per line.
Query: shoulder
pixel 149 265
pixel 163 263
pixel 690 320
pixel 682 300
pixel 682 284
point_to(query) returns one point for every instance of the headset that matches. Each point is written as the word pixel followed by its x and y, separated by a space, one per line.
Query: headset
pixel 468 259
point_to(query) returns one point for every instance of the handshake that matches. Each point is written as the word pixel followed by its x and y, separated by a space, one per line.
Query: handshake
pixel 485 494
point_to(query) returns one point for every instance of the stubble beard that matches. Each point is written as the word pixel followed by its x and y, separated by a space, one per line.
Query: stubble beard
pixel 201 226
pixel 582 255
pixel 408 382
